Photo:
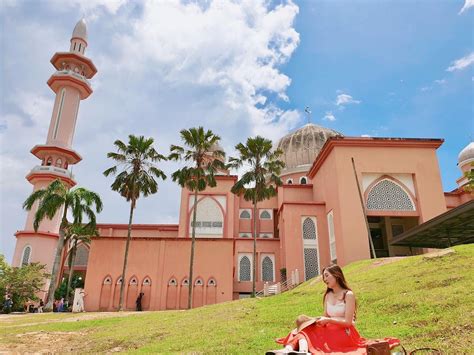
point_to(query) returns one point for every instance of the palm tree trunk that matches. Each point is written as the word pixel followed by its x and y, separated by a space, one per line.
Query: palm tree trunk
pixel 254 271
pixel 71 266
pixel 57 261
pixel 191 261
pixel 129 237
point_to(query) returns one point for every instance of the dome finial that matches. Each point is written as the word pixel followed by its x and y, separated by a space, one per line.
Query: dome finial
pixel 80 31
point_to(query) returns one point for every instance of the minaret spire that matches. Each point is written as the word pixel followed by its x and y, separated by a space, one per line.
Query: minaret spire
pixel 70 83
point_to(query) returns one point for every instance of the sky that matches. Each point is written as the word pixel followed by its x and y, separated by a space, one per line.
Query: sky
pixel 239 68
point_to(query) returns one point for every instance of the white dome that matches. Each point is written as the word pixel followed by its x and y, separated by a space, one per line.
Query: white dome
pixel 302 146
pixel 80 31
pixel 467 154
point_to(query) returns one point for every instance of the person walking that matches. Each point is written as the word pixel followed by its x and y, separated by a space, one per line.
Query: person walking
pixel 139 301
pixel 40 307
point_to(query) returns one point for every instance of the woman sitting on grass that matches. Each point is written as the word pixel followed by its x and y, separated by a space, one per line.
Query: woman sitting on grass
pixel 335 331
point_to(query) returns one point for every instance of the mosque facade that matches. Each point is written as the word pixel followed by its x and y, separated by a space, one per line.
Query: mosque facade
pixel 335 188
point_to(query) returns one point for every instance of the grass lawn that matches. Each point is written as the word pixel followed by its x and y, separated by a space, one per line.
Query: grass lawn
pixel 424 301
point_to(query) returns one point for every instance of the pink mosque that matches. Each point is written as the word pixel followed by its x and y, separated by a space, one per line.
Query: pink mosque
pixel 317 218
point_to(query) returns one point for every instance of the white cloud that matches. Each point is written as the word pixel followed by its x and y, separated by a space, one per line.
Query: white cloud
pixel 467 4
pixel 329 116
pixel 440 81
pixel 365 135
pixel 232 49
pixel 462 63
pixel 345 99
pixel 426 88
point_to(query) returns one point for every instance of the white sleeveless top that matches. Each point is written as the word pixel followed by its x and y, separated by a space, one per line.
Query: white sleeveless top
pixel 337 310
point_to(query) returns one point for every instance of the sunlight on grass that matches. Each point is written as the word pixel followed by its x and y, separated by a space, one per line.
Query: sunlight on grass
pixel 425 302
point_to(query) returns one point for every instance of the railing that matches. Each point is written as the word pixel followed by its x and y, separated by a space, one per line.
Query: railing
pixel 66 72
pixel 52 169
pixel 279 287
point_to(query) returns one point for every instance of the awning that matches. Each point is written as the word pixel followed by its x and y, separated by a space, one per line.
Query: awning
pixel 453 227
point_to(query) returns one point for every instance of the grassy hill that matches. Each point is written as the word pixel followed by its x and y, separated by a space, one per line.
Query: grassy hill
pixel 424 301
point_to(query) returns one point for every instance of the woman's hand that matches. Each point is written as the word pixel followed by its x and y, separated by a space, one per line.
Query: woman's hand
pixel 323 320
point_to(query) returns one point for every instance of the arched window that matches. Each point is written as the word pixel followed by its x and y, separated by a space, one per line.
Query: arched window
pixel 49 161
pixel 244 269
pixel 387 195
pixel 310 247
pixel 107 280
pixel 267 269
pixel 59 162
pixel 66 165
pixel 245 214
pixel 133 281
pixel 244 235
pixel 185 282
pixel 211 282
pixel 172 282
pixel 289 181
pixel 25 259
pixel 146 281
pixel 265 215
pixel 266 235
pixel 303 180
pixel 309 229
pixel 198 282
pixel 119 281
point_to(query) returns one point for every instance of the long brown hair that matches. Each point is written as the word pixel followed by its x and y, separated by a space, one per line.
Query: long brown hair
pixel 336 271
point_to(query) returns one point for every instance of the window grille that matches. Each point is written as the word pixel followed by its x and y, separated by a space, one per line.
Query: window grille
pixel 147 282
pixel 245 214
pixel 303 180
pixel 185 282
pixel 119 280
pixel 265 215
pixel 311 263
pixel 134 281
pixel 172 282
pixel 289 181
pixel 267 269
pixel 26 256
pixel 244 268
pixel 211 282
pixel 386 195
pixel 309 229
pixel 199 282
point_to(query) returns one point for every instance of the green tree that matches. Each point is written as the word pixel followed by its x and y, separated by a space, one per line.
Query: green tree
pixel 136 178
pixel 469 187
pixel 75 234
pixel 202 152
pixel 57 198
pixel 22 283
pixel 259 181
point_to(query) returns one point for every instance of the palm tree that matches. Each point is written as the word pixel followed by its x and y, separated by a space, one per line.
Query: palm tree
pixel 136 178
pixel 257 184
pixel 51 200
pixel 206 158
pixel 77 233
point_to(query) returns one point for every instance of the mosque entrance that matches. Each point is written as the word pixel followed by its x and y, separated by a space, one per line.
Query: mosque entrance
pixel 382 231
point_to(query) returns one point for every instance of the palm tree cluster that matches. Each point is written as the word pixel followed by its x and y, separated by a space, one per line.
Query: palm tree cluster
pixel 137 174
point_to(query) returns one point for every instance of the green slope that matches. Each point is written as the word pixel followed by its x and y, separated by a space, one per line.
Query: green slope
pixel 423 301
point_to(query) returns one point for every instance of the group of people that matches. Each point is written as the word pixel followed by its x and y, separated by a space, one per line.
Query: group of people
pixel 335 330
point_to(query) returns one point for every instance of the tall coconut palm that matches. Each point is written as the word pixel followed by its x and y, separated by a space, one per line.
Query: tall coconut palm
pixel 259 181
pixel 77 233
pixel 53 199
pixel 137 177
pixel 202 152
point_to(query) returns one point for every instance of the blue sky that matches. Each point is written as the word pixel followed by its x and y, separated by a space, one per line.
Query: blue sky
pixel 378 68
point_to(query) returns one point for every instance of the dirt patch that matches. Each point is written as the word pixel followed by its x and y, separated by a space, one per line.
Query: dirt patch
pixel 439 254
pixel 6 319
pixel 42 342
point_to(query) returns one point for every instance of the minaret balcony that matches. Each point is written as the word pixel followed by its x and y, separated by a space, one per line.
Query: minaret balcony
pixel 49 172
pixel 61 59
pixel 70 78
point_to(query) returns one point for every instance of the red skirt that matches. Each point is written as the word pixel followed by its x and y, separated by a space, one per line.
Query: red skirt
pixel 331 339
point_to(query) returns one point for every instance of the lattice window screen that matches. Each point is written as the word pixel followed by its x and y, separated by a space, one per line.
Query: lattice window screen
pixel 267 269
pixel 309 229
pixel 388 196
pixel 26 256
pixel 311 263
pixel 265 215
pixel 245 215
pixel 244 268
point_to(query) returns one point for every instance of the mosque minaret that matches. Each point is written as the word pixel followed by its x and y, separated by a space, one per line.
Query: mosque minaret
pixel 70 84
